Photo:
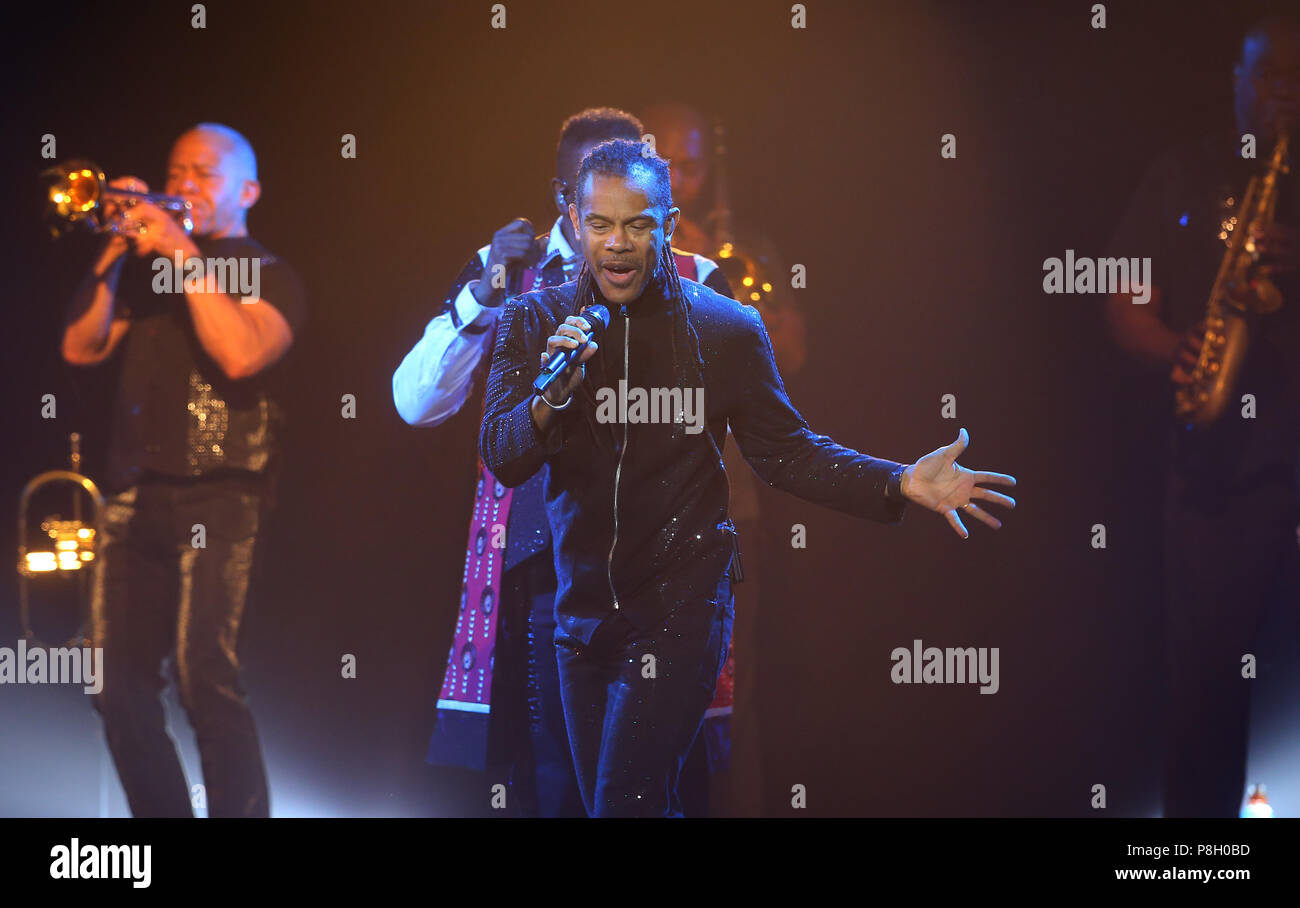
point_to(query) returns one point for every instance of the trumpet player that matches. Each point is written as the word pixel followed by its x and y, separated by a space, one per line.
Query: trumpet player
pixel 191 467
pixel 1231 505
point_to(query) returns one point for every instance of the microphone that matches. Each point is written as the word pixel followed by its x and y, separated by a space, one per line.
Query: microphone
pixel 598 315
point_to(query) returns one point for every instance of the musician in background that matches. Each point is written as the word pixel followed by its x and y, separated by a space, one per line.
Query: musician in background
pixel 191 470
pixel 695 151
pixel 516 721
pixel 1231 503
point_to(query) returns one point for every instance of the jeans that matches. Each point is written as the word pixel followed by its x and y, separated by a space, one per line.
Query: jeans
pixel 157 594
pixel 634 701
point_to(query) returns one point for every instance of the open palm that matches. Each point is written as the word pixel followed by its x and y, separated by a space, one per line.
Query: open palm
pixel 939 483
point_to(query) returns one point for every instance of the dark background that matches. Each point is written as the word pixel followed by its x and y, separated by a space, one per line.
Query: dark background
pixel 924 279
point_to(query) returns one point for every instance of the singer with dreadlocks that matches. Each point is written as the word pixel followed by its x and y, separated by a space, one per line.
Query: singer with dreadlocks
pixel 644 549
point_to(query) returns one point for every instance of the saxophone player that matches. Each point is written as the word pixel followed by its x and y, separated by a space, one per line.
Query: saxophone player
pixel 1230 497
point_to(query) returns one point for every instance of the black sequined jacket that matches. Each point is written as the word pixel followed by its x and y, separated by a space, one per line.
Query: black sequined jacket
pixel 638 509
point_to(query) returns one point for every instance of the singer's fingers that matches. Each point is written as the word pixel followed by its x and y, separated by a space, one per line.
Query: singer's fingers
pixel 995 497
pixel 587 354
pixel 569 333
pixel 983 515
pixel 572 331
pixel 957 526
pixel 579 322
pixel 558 342
pixel 954 450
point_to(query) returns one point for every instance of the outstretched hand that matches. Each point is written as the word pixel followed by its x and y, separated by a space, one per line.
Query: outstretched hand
pixel 939 483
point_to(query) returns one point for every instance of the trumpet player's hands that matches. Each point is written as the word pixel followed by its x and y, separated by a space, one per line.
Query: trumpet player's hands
pixel 158 233
pixel 1186 353
pixel 117 245
pixel 113 207
pixel 939 483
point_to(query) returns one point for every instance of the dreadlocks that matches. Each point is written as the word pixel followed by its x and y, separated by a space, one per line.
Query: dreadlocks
pixel 622 158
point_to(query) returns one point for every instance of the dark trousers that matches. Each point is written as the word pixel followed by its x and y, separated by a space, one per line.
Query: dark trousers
pixel 156 595
pixel 631 719
pixel 737 791
pixel 531 709
pixel 1229 554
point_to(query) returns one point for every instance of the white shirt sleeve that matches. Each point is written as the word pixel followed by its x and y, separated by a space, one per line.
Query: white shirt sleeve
pixel 703 268
pixel 435 377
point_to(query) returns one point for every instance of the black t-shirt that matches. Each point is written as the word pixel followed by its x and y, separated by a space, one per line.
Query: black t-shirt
pixel 1178 218
pixel 176 413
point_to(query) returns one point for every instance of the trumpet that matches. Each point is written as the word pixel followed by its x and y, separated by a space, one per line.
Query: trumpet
pixel 77 191
pixel 72 541
pixel 1227 325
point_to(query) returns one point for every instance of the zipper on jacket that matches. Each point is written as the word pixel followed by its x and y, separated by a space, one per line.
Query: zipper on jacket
pixel 618 471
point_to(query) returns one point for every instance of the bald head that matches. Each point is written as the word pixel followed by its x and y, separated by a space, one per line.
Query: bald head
pixel 234 147
pixel 215 169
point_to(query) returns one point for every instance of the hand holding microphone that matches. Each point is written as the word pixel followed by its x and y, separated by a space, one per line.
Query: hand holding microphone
pixel 567 351
pixel 563 364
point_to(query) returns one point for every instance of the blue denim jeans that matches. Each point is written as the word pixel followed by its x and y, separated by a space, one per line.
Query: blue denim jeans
pixel 634 701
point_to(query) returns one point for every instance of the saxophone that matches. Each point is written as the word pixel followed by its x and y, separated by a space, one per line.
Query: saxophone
pixel 1203 400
